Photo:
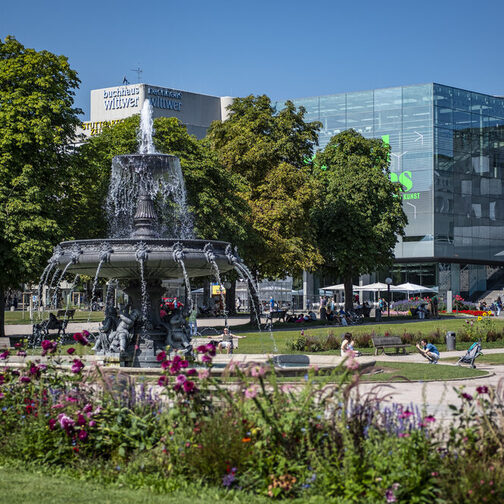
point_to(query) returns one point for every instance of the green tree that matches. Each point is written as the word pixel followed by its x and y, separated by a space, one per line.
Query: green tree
pixel 360 214
pixel 37 123
pixel 267 149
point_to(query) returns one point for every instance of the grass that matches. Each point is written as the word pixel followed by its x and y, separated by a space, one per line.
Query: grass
pixel 26 487
pixel 264 342
pixel 407 371
pixel 23 317
pixel 496 359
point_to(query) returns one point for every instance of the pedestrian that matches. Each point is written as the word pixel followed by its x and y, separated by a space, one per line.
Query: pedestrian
pixel 193 315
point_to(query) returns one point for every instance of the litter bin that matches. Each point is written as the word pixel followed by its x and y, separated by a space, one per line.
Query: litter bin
pixel 450 341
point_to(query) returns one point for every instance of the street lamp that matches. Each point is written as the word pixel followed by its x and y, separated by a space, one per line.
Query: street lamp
pixel 388 281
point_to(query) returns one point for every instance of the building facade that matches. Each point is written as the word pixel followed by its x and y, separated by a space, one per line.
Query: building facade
pixel 447 151
pixel 114 104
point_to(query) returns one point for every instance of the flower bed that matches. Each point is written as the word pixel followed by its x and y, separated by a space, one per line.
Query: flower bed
pixel 259 436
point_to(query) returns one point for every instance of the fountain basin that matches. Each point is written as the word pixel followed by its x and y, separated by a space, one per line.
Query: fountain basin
pixel 121 257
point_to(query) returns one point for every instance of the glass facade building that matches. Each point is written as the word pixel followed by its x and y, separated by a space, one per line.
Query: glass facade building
pixel 447 151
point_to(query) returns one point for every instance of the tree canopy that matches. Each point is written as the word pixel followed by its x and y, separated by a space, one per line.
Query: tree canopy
pixel 359 214
pixel 267 149
pixel 37 123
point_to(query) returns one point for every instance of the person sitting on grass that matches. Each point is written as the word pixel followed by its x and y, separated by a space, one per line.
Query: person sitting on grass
pixel 347 345
pixel 429 351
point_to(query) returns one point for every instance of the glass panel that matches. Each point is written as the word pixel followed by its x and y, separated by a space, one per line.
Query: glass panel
pixel 414 96
pixel 443 96
pixel 461 99
pixel 443 116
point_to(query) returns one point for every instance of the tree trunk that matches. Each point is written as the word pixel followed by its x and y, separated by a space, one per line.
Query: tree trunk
pixel 348 292
pixel 231 298
pixel 2 312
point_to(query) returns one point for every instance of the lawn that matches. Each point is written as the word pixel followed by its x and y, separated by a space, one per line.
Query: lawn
pixel 399 371
pixel 265 341
pixel 23 317
pixel 496 359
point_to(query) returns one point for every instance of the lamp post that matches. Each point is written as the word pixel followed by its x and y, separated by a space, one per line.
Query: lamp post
pixel 388 281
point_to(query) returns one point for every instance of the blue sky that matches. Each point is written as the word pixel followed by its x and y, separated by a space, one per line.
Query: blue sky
pixel 286 49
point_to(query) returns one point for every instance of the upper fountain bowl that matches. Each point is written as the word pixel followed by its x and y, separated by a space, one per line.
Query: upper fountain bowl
pixel 161 257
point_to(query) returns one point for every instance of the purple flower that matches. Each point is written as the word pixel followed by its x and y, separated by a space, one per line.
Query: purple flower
pixel 206 359
pixel 21 353
pixel 81 419
pixel 184 364
pixel 166 364
pixel 163 380
pixel 483 389
pixel 92 424
pixel 228 480
pixel 210 349
pixel 201 349
pixel 188 386
pixel 71 350
pixel 191 372
pixel 81 338
pixel 49 346
pixel 66 422
pixel 83 435
pixel 77 366
pixel 390 496
pixel 52 423
pixel 25 379
pixel 34 370
pixel 4 355
pixel 429 419
pixel 181 379
pixel 161 356
pixel 467 396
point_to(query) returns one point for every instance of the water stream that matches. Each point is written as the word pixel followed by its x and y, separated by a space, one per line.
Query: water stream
pixel 210 256
pixel 95 282
pixel 67 305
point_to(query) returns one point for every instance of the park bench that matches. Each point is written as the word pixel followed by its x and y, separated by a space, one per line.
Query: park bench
pixel 68 314
pixel 384 342
pixel 276 314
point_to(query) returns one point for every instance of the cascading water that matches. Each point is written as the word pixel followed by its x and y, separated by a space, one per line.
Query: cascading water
pixel 146 204
pixel 146 131
pixel 210 256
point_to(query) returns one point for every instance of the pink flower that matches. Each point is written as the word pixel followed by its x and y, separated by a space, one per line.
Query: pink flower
pixel 257 371
pixel 4 355
pixel 191 372
pixel 2 395
pixel 71 350
pixel 92 424
pixel 483 389
pixel 21 353
pixel 18 345
pixel 65 421
pixel 429 419
pixel 184 364
pixel 201 349
pixel 88 408
pixel 350 362
pixel 210 348
pixel 81 419
pixel 203 374
pixel 404 434
pixel 161 356
pixel 34 370
pixel 390 496
pixel 405 414
pixel 77 366
pixel 52 423
pixel 165 364
pixel 251 392
pixel 206 359
pixel 162 381
pixel 83 435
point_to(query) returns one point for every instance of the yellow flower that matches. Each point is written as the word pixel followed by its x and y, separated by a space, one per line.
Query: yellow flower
pixel 484 314
pixel 480 318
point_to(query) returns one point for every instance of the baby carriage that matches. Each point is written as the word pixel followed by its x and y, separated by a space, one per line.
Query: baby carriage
pixel 471 355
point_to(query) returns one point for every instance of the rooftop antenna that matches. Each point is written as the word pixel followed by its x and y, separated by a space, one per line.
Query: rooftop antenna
pixel 139 71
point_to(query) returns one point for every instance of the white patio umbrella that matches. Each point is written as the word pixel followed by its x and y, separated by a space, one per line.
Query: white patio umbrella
pixel 341 287
pixel 411 287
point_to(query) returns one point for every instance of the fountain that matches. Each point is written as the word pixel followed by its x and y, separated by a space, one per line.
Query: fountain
pixel 145 205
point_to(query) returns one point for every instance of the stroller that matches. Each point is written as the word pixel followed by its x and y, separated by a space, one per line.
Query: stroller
pixel 472 354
